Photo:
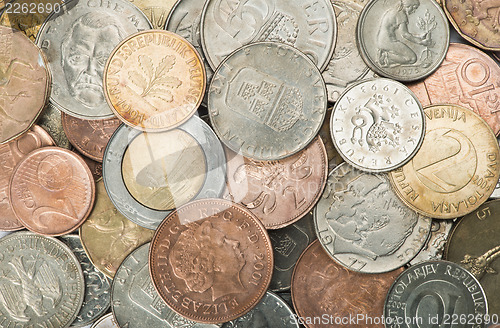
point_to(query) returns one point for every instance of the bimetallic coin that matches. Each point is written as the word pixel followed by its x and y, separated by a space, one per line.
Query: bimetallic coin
pixel 77 41
pixel 262 108
pixel 455 170
pixel 364 226
pixel 405 40
pixel 41 282
pixel 434 246
pixel 156 11
pixel 50 121
pixel 377 125
pixel 107 321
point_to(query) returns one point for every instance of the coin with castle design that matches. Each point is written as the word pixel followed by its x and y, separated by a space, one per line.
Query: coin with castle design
pixel 455 170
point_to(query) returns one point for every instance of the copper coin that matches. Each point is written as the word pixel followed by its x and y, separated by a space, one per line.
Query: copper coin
pixel 10 154
pixel 94 166
pixel 278 192
pixel 52 191
pixel 467 77
pixel 322 286
pixel 24 83
pixel 90 137
pixel 211 260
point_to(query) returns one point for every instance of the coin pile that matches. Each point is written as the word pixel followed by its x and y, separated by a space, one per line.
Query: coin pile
pixel 249 164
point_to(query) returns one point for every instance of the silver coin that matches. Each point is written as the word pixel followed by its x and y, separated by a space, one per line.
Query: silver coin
pixel 97 287
pixel 362 224
pixel 77 42
pixel 434 246
pixel 41 282
pixel 404 40
pixel 212 187
pixel 496 191
pixel 4 233
pixel 50 120
pixel 135 302
pixel 263 109
pixel 308 25
pixel 107 321
pixel 377 125
pixel 435 294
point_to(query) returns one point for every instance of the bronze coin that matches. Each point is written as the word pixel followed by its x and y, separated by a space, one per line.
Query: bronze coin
pixel 89 137
pixel 211 260
pixel 52 191
pixel 322 286
pixel 11 153
pixel 94 166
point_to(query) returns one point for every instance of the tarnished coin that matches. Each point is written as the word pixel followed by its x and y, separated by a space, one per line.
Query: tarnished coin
pixel 364 226
pixel 455 170
pixel 432 294
pixel 50 121
pixel 377 125
pixel 434 246
pixel 107 321
pixel 77 41
pixel 154 80
pixel 24 83
pixel 12 153
pixel 108 237
pixel 404 40
pixel 211 260
pixel 41 282
pixel 278 192
pixel 321 286
pixel 262 108
pixel 52 191
pixel 156 11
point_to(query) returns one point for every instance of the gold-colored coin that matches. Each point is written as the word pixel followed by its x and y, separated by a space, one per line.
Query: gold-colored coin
pixel 456 168
pixel 154 80
pixel 155 10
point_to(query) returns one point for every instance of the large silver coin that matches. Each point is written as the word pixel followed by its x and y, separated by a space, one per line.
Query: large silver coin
pixel 377 125
pixel 362 224
pixel 434 246
pixel 267 101
pixel 41 282
pixel 77 42
pixel 404 40
pixel 308 25
pixel 108 321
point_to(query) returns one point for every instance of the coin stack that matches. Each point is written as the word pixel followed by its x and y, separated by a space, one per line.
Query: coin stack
pixel 249 164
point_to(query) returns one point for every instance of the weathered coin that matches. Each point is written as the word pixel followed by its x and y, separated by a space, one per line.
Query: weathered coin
pixel 161 174
pixel 468 77
pixel 154 80
pixel 262 108
pixel 334 158
pixel 432 294
pixel 97 287
pixel 364 226
pixel 377 125
pixel 50 121
pixel 211 260
pixel 434 246
pixel 405 40
pixel 321 286
pixel 42 282
pixel 107 321
pixel 77 41
pixel 156 11
pixel 24 83
pixel 108 237
pixel 455 170
pixel 309 26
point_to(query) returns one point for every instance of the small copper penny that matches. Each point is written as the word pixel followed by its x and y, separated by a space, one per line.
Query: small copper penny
pixel 211 260
pixel 94 166
pixel 90 137
pixel 320 285
pixel 52 191
pixel 10 154
pixel 278 192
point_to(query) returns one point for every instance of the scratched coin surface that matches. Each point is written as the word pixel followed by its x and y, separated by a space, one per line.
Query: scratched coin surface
pixel 262 109
pixel 41 282
pixel 77 41
pixel 107 321
pixel 154 80
pixel 364 226
pixel 211 260
pixel 455 170
pixel 377 125
pixel 24 83
pixel 52 191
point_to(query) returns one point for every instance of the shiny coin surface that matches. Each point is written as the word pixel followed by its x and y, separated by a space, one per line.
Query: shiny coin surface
pixel 156 11
pixel 211 260
pixel 434 246
pixel 455 170
pixel 262 108
pixel 154 80
pixel 404 40
pixel 377 125
pixel 107 321
pixel 77 41
pixel 50 121
pixel 364 226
